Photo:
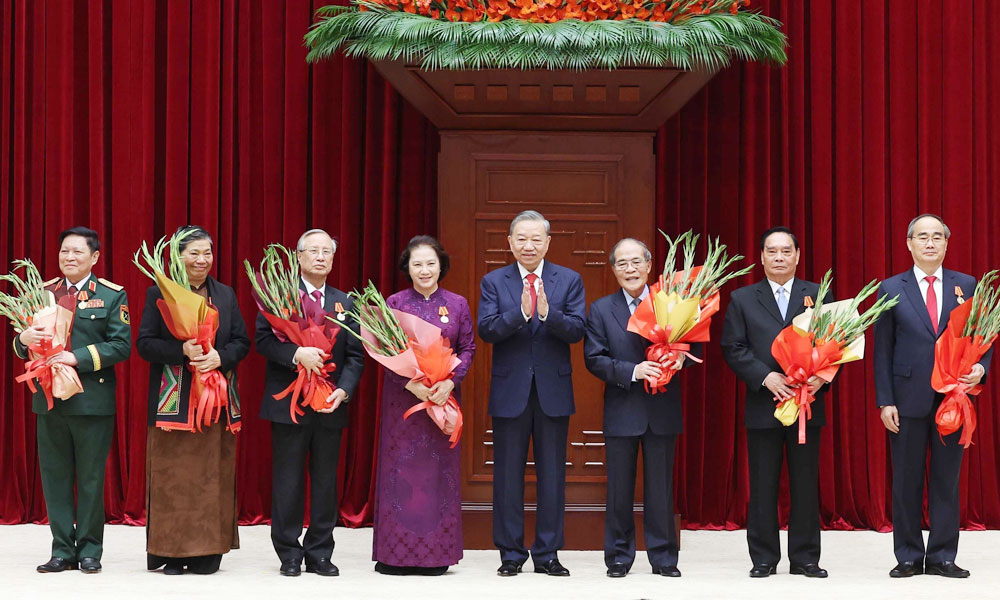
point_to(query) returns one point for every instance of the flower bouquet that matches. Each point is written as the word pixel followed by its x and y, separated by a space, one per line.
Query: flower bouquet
pixel 678 310
pixel 818 341
pixel 409 347
pixel 972 329
pixel 297 318
pixel 32 305
pixel 188 316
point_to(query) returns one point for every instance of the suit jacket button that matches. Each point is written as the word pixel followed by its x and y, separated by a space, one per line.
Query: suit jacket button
pixel 101 380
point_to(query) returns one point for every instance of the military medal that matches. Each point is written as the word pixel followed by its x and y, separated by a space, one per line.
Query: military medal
pixel 808 301
pixel 959 295
pixel 339 308
pixel 443 311
pixel 82 296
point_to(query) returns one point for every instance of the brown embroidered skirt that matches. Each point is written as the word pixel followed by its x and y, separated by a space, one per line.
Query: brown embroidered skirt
pixel 191 492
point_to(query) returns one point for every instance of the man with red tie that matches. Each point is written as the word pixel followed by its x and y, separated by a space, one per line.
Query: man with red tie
pixel 315 439
pixel 905 337
pixel 531 312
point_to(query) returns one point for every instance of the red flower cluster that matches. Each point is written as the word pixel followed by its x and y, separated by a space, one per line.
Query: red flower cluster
pixel 550 11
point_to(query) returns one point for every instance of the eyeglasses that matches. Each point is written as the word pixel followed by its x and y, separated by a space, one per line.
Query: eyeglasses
pixel 623 265
pixel 324 252
pixel 923 238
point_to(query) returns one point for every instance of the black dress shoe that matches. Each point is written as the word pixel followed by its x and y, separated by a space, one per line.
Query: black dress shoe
pixel 290 568
pixel 618 570
pixel 810 570
pixel 668 571
pixel 173 569
pixel 56 565
pixel 509 568
pixel 323 567
pixel 90 565
pixel 907 568
pixel 552 567
pixel 763 570
pixel 946 569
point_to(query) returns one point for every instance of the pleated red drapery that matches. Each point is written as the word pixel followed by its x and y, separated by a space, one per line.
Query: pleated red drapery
pixel 135 117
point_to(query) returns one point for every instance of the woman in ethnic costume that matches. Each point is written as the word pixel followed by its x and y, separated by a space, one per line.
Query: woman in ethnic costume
pixel 418 503
pixel 191 475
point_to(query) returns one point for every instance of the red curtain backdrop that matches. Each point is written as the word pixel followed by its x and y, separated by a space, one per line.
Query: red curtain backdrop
pixel 134 117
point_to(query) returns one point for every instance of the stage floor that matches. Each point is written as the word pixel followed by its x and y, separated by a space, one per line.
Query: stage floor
pixel 714 563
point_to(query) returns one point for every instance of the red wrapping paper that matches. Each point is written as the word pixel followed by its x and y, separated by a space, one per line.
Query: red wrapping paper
pixel 954 356
pixel 800 357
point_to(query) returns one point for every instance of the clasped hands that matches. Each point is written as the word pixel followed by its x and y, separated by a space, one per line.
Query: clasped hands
pixel 35 334
pixel 890 414
pixel 312 360
pixel 650 370
pixel 543 300
pixel 775 383
pixel 202 361
pixel 437 393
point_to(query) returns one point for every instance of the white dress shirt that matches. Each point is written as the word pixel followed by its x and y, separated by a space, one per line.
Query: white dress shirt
pixel 79 285
pixel 310 289
pixel 631 310
pixel 774 292
pixel 538 282
pixel 788 289
pixel 938 286
pixel 628 299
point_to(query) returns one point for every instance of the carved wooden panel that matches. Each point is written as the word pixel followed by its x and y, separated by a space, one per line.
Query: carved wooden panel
pixel 594 189
pixel 627 99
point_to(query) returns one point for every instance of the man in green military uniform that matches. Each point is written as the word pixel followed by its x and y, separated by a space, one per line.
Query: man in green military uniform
pixel 74 438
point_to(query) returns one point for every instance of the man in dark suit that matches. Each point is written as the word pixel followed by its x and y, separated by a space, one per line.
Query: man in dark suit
pixel 633 416
pixel 74 438
pixel 754 317
pixel 317 434
pixel 905 337
pixel 531 311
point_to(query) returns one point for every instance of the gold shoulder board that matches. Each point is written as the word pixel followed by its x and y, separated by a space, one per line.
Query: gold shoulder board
pixel 110 284
pixel 51 281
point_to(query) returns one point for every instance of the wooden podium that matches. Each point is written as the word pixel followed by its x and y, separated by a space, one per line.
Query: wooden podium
pixel 578 147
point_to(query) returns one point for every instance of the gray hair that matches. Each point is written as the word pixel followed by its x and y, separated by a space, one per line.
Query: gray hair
pixel 529 215
pixel 646 254
pixel 301 244
pixel 913 224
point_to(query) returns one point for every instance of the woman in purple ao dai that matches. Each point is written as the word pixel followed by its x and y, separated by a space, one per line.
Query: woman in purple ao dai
pixel 418 500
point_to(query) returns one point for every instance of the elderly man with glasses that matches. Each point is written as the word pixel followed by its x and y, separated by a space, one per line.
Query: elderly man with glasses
pixel 317 433
pixel 634 416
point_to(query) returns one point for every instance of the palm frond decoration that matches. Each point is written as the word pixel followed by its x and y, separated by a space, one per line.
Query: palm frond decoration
pixel 557 34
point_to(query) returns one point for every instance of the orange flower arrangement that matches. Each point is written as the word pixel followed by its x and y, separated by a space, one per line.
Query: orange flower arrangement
pixel 550 11
pixel 548 34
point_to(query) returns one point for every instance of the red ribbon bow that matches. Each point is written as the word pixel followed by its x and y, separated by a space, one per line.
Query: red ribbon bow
pixel 39 369
pixel 664 352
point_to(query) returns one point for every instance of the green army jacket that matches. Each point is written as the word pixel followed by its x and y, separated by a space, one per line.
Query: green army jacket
pixel 101 337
